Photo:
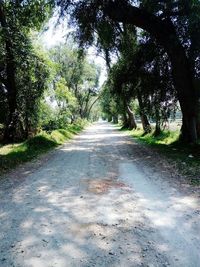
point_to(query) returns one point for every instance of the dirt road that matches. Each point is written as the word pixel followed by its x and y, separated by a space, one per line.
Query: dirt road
pixel 101 200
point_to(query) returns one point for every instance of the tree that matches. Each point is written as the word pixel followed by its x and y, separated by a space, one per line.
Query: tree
pixel 80 75
pixel 75 82
pixel 108 104
pixel 17 18
pixel 66 102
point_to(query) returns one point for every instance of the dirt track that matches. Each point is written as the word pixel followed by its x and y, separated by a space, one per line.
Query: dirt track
pixel 101 200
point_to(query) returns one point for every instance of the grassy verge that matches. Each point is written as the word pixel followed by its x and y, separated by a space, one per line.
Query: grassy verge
pixel 186 157
pixel 14 154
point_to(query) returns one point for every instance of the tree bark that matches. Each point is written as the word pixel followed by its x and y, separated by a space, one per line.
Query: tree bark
pixel 157 129
pixel 131 119
pixel 165 34
pixel 198 121
pixel 145 122
pixel 124 120
pixel 85 111
pixel 90 108
pixel 115 119
pixel 197 86
pixel 109 118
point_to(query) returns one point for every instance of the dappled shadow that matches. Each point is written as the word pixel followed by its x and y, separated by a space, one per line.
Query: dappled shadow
pixel 69 229
pixel 90 205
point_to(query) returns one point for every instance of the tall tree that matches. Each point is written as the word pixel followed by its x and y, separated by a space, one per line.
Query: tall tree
pixel 157 18
pixel 17 18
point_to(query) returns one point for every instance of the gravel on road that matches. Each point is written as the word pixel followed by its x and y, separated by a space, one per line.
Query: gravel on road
pixel 100 200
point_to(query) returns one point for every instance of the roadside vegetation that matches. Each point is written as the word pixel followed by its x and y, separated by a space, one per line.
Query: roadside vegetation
pixel 12 155
pixel 185 158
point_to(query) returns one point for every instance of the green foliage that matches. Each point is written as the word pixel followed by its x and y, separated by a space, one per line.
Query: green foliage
pixel 33 80
pixel 66 100
pixel 29 14
pixel 75 83
pixel 39 89
pixel 23 70
pixel 108 103
pixel 46 116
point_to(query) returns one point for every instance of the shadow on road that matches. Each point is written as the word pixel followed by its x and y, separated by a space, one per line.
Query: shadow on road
pixel 94 204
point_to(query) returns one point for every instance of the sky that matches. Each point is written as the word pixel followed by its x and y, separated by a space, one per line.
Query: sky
pixel 55 34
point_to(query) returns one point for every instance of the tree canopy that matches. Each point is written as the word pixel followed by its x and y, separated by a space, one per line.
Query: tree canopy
pixel 28 73
pixel 170 25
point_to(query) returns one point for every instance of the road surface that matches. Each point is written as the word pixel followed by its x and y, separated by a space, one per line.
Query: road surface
pixel 100 200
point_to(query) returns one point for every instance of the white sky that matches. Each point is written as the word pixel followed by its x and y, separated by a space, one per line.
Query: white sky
pixel 55 34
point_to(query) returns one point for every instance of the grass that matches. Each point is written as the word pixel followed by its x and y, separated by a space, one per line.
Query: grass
pixel 186 157
pixel 14 154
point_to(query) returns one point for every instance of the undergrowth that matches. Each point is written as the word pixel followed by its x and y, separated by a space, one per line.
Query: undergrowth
pixel 12 155
pixel 186 157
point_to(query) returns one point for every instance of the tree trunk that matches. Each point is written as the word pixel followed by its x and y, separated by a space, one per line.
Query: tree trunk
pixel 115 119
pixel 125 123
pixel 145 122
pixel 109 118
pixel 90 108
pixel 197 86
pixel 131 119
pixel 157 129
pixel 107 58
pixel 198 128
pixel 85 111
pixel 158 123
pixel 186 94
pixel 198 121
